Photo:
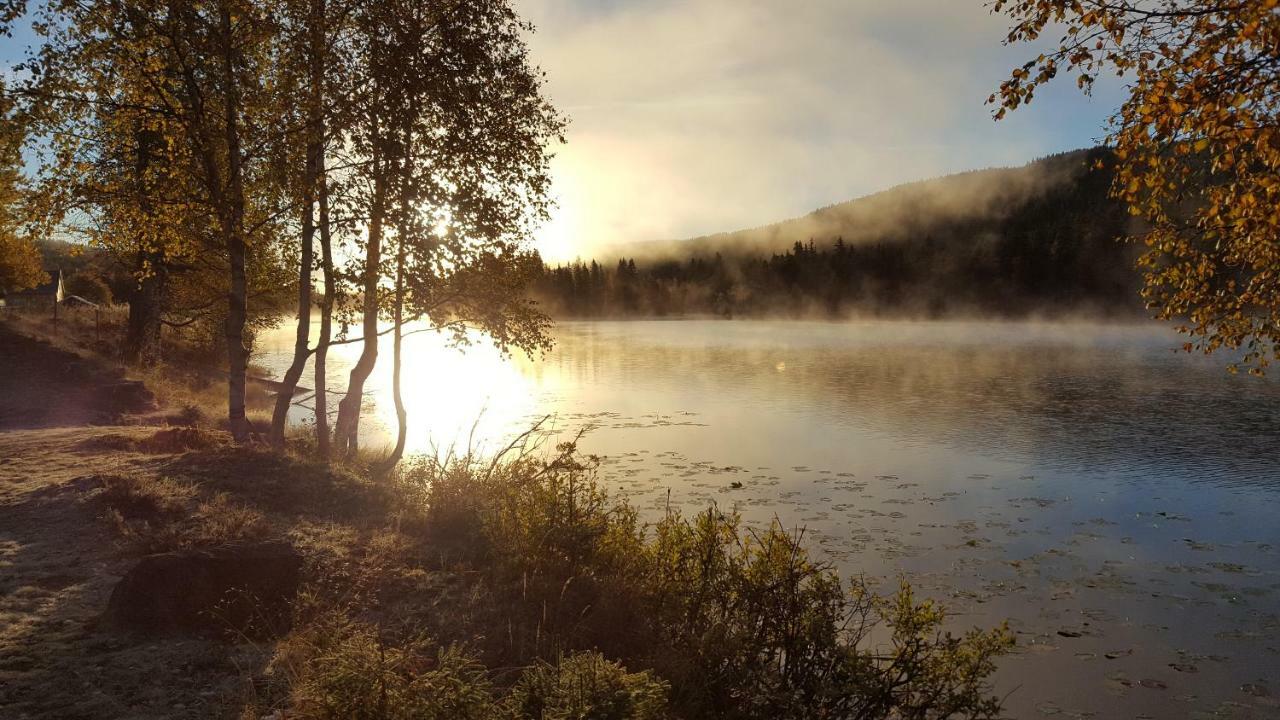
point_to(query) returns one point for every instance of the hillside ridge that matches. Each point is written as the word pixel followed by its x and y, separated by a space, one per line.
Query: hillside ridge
pixel 890 214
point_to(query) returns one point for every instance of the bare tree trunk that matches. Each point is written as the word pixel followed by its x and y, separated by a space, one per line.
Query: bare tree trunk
pixel 347 427
pixel 311 173
pixel 233 236
pixel 318 29
pixel 146 303
pixel 289 382
pixel 403 225
pixel 147 296
pixel 402 418
pixel 326 318
pixel 237 353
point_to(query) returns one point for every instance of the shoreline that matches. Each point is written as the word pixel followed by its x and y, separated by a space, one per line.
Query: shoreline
pixel 382 564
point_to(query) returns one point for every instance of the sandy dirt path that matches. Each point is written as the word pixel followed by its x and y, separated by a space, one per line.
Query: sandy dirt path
pixel 59 560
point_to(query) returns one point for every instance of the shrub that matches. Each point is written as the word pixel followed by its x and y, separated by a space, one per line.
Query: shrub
pixel 587 686
pixel 747 625
pixel 188 415
pixel 221 521
pixel 526 518
pixel 354 675
pixel 159 514
pixel 90 287
pixel 348 670
pixel 170 441
pixel 553 521
pixel 178 440
pixel 742 623
pixel 150 499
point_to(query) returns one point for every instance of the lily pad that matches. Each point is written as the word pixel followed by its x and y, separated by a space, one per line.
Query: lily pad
pixel 1255 689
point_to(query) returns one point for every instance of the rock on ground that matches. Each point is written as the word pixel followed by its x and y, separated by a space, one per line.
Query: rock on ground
pixel 239 589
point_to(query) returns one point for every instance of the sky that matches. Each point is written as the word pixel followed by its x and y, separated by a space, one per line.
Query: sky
pixel 689 117
pixel 696 116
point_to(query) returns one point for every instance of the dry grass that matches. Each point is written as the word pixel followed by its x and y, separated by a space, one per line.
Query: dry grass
pixel 110 442
pixel 155 513
pixel 179 440
pixel 201 491
pixel 200 398
pixel 79 503
pixel 194 390
pixel 76 329
pixel 147 498
pixel 168 441
pixel 278 483
pixel 221 520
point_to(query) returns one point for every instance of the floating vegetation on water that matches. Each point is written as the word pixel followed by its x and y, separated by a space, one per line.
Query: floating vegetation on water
pixel 1255 689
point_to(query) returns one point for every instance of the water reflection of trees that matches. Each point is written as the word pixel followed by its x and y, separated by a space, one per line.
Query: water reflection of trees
pixel 1134 410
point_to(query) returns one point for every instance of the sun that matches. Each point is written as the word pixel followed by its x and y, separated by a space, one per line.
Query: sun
pixel 554 241
pixel 560 238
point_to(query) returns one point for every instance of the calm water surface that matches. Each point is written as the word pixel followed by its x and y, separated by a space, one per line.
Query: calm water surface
pixel 1115 500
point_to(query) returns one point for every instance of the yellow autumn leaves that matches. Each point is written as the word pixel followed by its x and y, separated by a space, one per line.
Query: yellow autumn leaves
pixel 1197 150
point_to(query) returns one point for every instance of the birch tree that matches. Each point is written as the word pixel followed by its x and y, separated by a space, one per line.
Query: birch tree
pixel 455 149
pixel 184 84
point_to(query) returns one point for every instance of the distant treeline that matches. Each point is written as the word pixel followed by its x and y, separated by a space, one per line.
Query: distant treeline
pixel 1057 250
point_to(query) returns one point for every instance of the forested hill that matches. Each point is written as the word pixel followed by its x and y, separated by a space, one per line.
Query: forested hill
pixel 1040 239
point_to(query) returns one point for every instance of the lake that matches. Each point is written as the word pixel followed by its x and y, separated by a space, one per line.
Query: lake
pixel 1115 500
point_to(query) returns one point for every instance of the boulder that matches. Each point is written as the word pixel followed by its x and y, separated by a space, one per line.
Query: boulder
pixel 244 589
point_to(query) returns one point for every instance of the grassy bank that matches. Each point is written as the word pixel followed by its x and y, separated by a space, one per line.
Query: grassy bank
pixel 190 384
pixel 509 587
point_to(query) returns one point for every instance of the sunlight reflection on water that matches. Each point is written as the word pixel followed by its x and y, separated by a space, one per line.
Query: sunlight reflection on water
pixel 454 396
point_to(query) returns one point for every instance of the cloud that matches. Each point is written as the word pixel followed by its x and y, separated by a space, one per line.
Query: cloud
pixel 697 116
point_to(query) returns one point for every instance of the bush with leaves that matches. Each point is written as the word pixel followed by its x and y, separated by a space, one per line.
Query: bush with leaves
pixel 90 287
pixel 586 685
pixel 742 623
pixel 349 670
pixel 354 671
pixel 748 625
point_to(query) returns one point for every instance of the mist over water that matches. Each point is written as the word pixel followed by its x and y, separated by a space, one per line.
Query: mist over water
pixel 1111 497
